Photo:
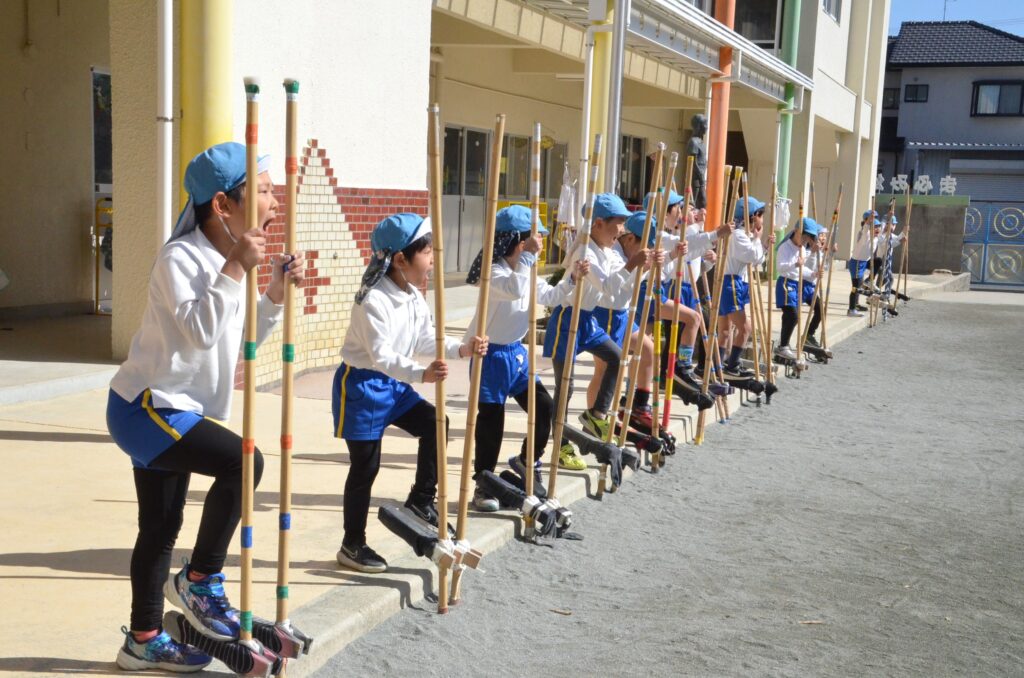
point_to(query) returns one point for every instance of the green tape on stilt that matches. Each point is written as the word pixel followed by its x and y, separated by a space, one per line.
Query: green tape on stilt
pixel 288 353
pixel 291 86
pixel 282 592
pixel 250 350
pixel 245 620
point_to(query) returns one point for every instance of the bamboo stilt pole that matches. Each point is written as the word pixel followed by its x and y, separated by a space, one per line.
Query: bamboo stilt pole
pixel 771 276
pixel 754 308
pixel 821 265
pixel 630 354
pixel 673 342
pixel 252 117
pixel 574 322
pixel 490 216
pixel 437 238
pixel 716 298
pixel 531 336
pixel 291 169
pixel 645 312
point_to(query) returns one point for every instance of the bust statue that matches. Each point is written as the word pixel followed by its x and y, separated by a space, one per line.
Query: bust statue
pixel 695 148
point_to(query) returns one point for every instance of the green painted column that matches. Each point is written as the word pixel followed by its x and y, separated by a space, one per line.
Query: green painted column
pixel 790 40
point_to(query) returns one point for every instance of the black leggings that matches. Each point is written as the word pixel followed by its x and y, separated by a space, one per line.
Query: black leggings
pixel 364 459
pixel 490 428
pixel 208 449
pixel 789 322
pixel 855 292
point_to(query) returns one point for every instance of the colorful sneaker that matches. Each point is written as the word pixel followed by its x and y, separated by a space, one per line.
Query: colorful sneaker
pixel 361 558
pixel 519 467
pixel 570 459
pixel 641 418
pixel 483 502
pixel 204 604
pixel 160 652
pixel 595 426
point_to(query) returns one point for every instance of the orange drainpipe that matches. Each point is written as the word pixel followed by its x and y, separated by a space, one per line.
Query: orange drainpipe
pixel 725 12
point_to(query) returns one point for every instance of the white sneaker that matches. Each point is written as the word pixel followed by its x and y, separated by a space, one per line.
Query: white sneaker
pixel 854 313
pixel 785 352
pixel 484 503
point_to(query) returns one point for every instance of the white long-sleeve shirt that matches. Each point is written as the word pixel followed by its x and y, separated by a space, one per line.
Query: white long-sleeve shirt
pixel 390 327
pixel 603 279
pixel 698 242
pixel 186 350
pixel 508 307
pixel 618 299
pixel 882 244
pixel 788 262
pixel 743 250
pixel 866 243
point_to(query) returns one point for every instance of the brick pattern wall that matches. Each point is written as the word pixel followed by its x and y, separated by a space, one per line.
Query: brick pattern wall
pixel 334 225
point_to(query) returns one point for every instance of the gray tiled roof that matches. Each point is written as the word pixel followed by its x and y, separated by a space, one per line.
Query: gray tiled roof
pixel 941 43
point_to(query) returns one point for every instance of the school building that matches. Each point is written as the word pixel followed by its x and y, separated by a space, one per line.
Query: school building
pixel 107 100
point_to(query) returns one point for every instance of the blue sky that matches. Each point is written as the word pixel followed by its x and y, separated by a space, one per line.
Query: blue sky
pixel 1007 15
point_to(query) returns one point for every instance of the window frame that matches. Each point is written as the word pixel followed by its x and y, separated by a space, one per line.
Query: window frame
pixel 833 8
pixel 895 91
pixel 981 83
pixel 906 93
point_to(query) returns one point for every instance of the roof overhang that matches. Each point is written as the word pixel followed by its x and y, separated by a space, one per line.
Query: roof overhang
pixel 678 34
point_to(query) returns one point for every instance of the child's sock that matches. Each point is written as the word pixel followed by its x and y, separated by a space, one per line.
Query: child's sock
pixel 686 356
pixel 145 636
pixel 734 357
pixel 641 399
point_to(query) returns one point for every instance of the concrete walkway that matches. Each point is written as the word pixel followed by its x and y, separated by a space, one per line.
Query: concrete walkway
pixel 68 501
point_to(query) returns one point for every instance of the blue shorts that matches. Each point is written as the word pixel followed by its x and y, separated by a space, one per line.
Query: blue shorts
pixel 505 372
pixel 785 292
pixel 640 304
pixel 856 268
pixel 687 296
pixel 588 335
pixel 365 402
pixel 735 295
pixel 144 432
pixel 614 323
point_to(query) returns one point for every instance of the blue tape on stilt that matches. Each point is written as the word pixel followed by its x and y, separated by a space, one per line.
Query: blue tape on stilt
pixel 247 537
pixel 285 521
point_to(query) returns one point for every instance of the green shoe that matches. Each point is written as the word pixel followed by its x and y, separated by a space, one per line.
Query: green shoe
pixel 569 459
pixel 597 427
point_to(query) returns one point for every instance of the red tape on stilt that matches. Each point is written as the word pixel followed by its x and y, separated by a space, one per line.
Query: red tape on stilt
pixel 252 134
pixel 286 442
pixel 248 446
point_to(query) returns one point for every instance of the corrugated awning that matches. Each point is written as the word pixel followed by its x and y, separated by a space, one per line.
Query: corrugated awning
pixel 678 34
pixel 962 146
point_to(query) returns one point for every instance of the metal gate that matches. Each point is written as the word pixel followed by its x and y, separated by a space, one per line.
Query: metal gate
pixel 994 244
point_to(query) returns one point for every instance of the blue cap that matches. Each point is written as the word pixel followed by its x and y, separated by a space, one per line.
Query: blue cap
pixel 673 199
pixel 895 221
pixel 398 232
pixel 755 205
pixel 218 169
pixel 869 213
pixel 811 227
pixel 609 206
pixel 518 219
pixel 635 225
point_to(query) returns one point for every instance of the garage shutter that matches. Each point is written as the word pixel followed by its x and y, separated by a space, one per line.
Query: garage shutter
pixel 991 187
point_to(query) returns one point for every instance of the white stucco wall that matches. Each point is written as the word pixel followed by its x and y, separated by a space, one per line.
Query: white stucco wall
pixel 479 83
pixel 46 149
pixel 363 69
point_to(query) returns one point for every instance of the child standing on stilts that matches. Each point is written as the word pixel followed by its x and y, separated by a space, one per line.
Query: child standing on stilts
pixel 178 379
pixel 390 323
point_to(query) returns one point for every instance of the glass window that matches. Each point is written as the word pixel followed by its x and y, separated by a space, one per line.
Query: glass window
pixel 476 163
pixel 997 98
pixel 834 8
pixel 452 184
pixel 514 181
pixel 891 98
pixel 756 21
pixel 915 93
pixel 554 167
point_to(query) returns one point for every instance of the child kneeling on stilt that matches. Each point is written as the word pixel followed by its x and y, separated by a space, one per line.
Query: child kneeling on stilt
pixel 390 323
